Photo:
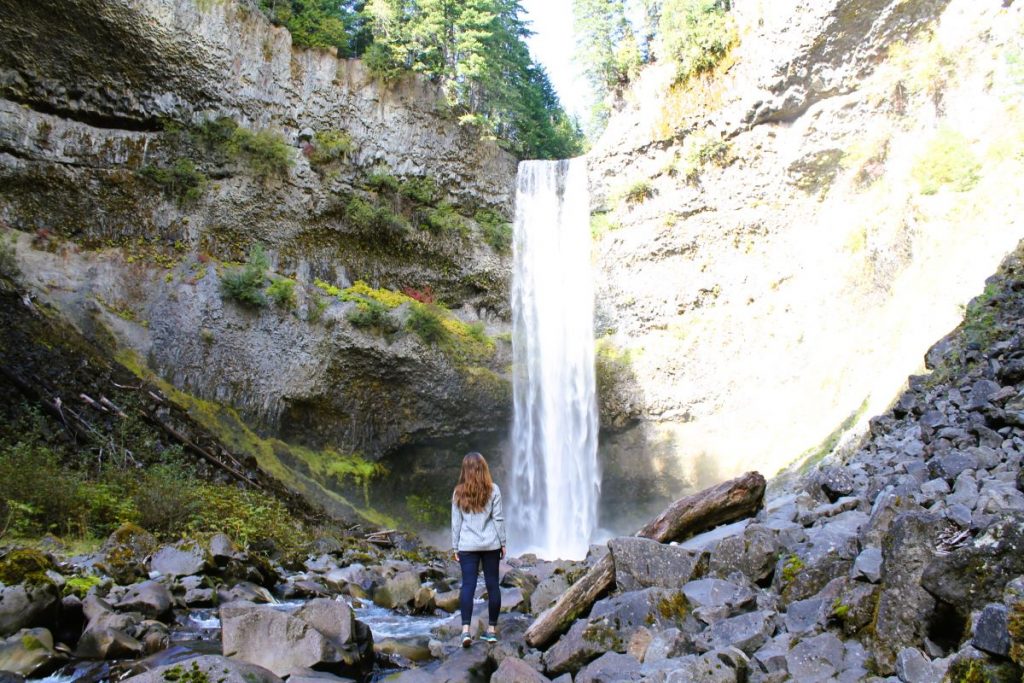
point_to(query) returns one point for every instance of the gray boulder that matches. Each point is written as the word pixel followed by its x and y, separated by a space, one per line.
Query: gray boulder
pixel 28 652
pixel 184 558
pixel 28 605
pixel 991 630
pixel 955 578
pixel 104 642
pixel 816 660
pixel 753 554
pixel 207 668
pixel 123 555
pixel 150 598
pixel 611 666
pixel 746 632
pixel 323 634
pixel 868 565
pixel 645 563
pixel 611 624
pixel 515 670
pixel 546 593
pixel 398 592
pixel 912 666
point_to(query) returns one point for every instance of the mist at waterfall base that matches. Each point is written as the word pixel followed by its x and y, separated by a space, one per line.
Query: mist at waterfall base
pixel 553 479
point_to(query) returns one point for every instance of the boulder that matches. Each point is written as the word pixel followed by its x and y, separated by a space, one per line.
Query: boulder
pixel 668 644
pixel 991 630
pixel 753 554
pixel 645 563
pixel 28 605
pixel 207 668
pixel 515 670
pixel 222 549
pixel 108 643
pixel 611 666
pixel 323 634
pixel 448 601
pixel 912 666
pixel 816 659
pixel 28 652
pixel 904 607
pixel 398 592
pixel 746 632
pixel 184 558
pixel 123 555
pixel 868 565
pixel 975 574
pixel 714 599
pixel 611 624
pixel 150 598
pixel 547 591
pixel 244 591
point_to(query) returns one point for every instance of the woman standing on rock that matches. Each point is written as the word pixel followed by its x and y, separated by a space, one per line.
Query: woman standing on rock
pixel 478 537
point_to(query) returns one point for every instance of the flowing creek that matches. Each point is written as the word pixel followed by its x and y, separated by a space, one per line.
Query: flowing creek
pixel 198 631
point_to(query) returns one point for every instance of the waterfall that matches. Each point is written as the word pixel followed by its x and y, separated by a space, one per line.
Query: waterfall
pixel 554 477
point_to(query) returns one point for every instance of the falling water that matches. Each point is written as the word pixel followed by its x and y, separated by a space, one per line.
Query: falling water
pixel 555 481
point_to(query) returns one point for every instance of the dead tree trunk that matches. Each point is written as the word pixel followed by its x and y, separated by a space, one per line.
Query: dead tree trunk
pixel 727 502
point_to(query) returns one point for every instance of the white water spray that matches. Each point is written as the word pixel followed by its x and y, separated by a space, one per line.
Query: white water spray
pixel 555 482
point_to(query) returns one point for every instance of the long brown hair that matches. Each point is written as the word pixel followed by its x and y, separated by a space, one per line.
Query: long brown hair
pixel 474 487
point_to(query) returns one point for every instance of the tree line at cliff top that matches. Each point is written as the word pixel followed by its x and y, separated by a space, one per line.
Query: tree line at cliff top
pixel 474 49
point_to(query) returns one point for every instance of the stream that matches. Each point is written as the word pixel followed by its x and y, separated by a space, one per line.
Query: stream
pixel 198 631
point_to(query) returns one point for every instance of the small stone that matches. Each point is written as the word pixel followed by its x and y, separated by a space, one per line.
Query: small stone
pixel 913 667
pixel 868 565
pixel 817 659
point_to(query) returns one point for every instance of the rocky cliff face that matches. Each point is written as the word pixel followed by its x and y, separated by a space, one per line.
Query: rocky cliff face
pixel 145 147
pixel 778 241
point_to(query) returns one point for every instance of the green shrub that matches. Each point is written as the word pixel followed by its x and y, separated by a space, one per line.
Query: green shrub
pixel 381 180
pixel 9 267
pixel 423 190
pixel 330 146
pixel 497 232
pixel 282 292
pixel 264 151
pixel 638 192
pixel 244 515
pixel 444 219
pixel 426 512
pixel 947 160
pixel 214 134
pixel 380 59
pixel 368 217
pixel 372 315
pixel 700 149
pixel 245 285
pixel 182 180
pixel 427 321
pixel 696 34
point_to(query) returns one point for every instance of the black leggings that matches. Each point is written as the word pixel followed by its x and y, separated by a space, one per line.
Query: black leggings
pixel 470 562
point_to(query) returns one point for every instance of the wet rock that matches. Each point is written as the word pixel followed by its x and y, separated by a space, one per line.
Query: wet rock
pixel 611 666
pixel 991 632
pixel 514 670
pixel 223 549
pixel 184 558
pixel 28 605
pixel 245 592
pixel 323 634
pixel 398 592
pixel 816 659
pixel 971 576
pixel 645 563
pixel 108 643
pixel 208 668
pixel 28 652
pixel 448 601
pixel 150 598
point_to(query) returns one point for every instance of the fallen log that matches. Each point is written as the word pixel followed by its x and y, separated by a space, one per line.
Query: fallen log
pixel 727 502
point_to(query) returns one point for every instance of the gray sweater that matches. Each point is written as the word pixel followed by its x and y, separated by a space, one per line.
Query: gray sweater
pixel 475 531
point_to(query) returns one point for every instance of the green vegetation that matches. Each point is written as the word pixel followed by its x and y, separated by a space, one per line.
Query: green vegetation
pixel 444 219
pixel 282 292
pixel 699 150
pixel 600 223
pixel 381 180
pixel 979 318
pixel 427 322
pixel 329 146
pixel 497 232
pixel 24 565
pixel 423 190
pixel 182 180
pixel 426 512
pixel 636 193
pixel 193 674
pixel 947 160
pixel 9 267
pixel 374 316
pixel 695 35
pixel 264 152
pixel 80 585
pixel 245 285
pixel 791 567
pixel 369 217
pixel 322 24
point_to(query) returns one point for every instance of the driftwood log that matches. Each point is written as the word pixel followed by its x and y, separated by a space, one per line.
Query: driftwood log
pixel 726 502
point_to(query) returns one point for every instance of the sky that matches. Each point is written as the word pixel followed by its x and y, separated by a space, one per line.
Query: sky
pixel 552 45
